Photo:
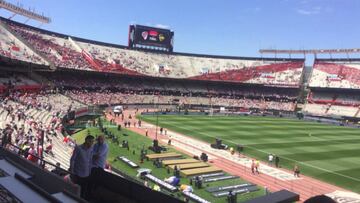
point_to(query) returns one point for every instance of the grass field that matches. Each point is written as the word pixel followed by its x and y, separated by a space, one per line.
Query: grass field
pixel 136 143
pixel 326 152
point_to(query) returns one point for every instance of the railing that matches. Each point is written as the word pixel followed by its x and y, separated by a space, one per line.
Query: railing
pixel 41 161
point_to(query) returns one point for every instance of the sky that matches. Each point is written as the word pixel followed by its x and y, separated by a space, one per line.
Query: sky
pixel 220 27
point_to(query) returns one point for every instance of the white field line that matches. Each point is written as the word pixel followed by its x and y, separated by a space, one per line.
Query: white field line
pixel 204 147
pixel 303 163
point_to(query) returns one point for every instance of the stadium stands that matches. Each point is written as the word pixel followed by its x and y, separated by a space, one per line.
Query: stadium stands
pixel 94 90
pixel 12 47
pixel 74 53
pixel 328 77
pixel 35 118
pixel 336 74
pixel 93 73
pixel 59 50
pixel 287 74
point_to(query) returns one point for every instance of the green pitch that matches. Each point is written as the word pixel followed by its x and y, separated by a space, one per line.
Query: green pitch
pixel 136 143
pixel 326 152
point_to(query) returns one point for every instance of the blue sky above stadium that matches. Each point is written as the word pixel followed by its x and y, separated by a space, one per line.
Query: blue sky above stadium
pixel 228 27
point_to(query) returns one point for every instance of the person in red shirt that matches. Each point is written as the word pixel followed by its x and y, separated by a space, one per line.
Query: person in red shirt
pixel 32 154
pixel 48 148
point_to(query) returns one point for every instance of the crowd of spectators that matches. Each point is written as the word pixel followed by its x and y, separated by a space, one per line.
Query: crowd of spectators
pixel 56 49
pixel 97 90
pixel 13 48
pixel 282 74
pixel 335 98
pixel 334 103
pixel 176 66
pixel 75 54
pixel 111 98
pixel 31 124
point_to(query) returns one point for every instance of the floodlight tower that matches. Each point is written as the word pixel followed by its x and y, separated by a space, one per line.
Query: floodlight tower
pixel 315 52
pixel 19 10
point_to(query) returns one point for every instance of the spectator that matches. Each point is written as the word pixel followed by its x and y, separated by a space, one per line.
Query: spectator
pixel 80 164
pixel 32 154
pixel 99 155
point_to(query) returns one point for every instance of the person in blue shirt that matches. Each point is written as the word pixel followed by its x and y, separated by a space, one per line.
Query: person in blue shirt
pixel 100 151
pixel 99 156
pixel 80 164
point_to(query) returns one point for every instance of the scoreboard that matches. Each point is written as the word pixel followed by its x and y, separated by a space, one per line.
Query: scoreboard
pixel 151 36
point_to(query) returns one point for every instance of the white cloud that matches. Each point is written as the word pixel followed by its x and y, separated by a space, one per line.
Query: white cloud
pixel 314 10
pixel 311 11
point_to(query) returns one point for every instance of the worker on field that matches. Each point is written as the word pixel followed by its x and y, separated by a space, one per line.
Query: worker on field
pixel 232 151
pixel 253 166
pixel 296 171
pixel 277 160
pixel 270 159
pixel 257 166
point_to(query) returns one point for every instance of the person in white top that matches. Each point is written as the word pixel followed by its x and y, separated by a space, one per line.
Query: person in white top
pixel 99 155
pixel 271 159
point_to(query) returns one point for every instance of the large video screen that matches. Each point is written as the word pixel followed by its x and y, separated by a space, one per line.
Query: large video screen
pixel 150 36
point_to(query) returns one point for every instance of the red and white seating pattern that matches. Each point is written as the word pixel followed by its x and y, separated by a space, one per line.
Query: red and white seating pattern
pixel 178 66
pixel 12 47
pixel 336 74
pixel 283 74
pixel 68 53
pixel 59 50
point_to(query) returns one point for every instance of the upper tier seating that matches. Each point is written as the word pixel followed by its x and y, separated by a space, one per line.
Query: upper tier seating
pixel 287 74
pixel 13 48
pixel 177 66
pixel 336 74
pixel 56 49
pixel 63 51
